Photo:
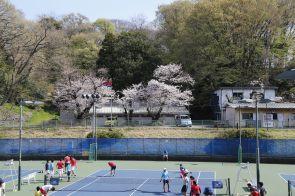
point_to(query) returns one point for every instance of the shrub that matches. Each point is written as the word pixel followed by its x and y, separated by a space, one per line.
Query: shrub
pixel 246 133
pixel 107 134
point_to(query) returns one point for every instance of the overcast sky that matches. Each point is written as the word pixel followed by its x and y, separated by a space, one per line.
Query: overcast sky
pixel 93 9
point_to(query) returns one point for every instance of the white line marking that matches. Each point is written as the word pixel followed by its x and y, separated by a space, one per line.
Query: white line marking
pixel 157 170
pixel 280 174
pixel 76 181
pixel 139 187
pixel 214 179
pixel 198 177
pixel 87 184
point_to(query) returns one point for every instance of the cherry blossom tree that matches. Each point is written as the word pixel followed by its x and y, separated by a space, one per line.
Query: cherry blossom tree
pixel 69 91
pixel 172 74
pixel 165 90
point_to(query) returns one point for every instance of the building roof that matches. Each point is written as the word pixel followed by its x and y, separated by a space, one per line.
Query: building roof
pixel 271 105
pixel 140 110
pixel 247 87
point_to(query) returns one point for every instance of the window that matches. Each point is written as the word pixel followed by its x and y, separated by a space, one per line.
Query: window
pixel 184 117
pixel 261 96
pixel 238 96
pixel 247 116
pixel 275 116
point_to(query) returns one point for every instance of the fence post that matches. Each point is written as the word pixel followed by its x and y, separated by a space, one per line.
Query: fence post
pixel 127 146
pixel 228 182
pixel 143 146
pixel 289 188
pixel 195 140
pixel 176 148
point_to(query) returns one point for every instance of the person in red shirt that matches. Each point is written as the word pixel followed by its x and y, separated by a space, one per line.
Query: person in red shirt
pixel 195 189
pixel 192 179
pixel 113 168
pixel 254 192
pixel 45 189
pixel 73 165
pixel 67 160
pixel 60 166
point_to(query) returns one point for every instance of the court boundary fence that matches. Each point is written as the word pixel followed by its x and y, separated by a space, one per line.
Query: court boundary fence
pixel 147 147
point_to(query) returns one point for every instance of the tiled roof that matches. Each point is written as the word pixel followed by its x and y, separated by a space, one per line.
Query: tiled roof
pixel 271 105
pixel 248 87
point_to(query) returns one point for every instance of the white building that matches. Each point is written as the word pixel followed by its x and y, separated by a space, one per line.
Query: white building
pixel 236 107
pixel 139 115
pixel 227 95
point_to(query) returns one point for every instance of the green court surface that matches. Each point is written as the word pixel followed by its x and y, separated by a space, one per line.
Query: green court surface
pixel 275 185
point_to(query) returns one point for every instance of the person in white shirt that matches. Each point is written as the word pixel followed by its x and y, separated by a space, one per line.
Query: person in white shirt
pixel 185 184
pixel 2 187
pixel 165 179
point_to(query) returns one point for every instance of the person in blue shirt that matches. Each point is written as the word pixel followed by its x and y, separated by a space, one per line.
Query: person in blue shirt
pixel 68 170
pixel 51 168
pixel 165 179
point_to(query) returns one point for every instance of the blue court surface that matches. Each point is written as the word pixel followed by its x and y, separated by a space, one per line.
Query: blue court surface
pixel 288 177
pixel 131 182
pixel 10 175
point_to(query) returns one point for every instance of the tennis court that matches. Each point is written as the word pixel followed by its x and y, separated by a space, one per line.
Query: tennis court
pixel 131 174
pixel 132 182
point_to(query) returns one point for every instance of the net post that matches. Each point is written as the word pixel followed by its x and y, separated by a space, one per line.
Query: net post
pixel 228 184
pixel 289 188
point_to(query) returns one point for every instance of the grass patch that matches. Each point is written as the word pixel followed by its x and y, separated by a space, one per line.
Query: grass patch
pixel 245 133
pixel 33 115
pixel 107 134
pixel 40 115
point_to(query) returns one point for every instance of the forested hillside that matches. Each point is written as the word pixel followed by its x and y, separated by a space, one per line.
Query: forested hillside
pixel 219 43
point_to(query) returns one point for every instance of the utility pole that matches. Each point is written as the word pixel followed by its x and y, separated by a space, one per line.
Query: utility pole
pixel 20 146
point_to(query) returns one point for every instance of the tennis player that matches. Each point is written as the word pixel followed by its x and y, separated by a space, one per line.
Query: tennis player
pixel 59 166
pixel 185 181
pixel 2 187
pixel 113 168
pixel 73 165
pixel 165 179
pixel 43 191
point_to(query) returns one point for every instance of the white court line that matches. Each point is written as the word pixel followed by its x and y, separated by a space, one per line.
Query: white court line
pixel 214 179
pixel 76 181
pixel 159 170
pixel 198 177
pixel 280 174
pixel 139 187
pixel 87 184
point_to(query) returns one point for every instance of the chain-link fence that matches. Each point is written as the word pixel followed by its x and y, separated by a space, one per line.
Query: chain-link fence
pixel 87 123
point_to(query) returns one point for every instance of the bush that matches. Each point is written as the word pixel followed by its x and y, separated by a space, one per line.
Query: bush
pixel 246 133
pixel 107 134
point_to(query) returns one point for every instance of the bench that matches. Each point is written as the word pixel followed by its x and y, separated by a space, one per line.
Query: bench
pixel 29 177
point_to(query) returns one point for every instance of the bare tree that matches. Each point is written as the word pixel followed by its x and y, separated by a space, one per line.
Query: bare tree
pixel 20 41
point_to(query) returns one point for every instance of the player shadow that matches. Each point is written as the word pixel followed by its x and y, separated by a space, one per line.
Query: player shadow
pixel 158 192
pixel 95 191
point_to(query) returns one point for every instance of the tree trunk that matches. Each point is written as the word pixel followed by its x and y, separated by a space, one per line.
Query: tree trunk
pixel 155 116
